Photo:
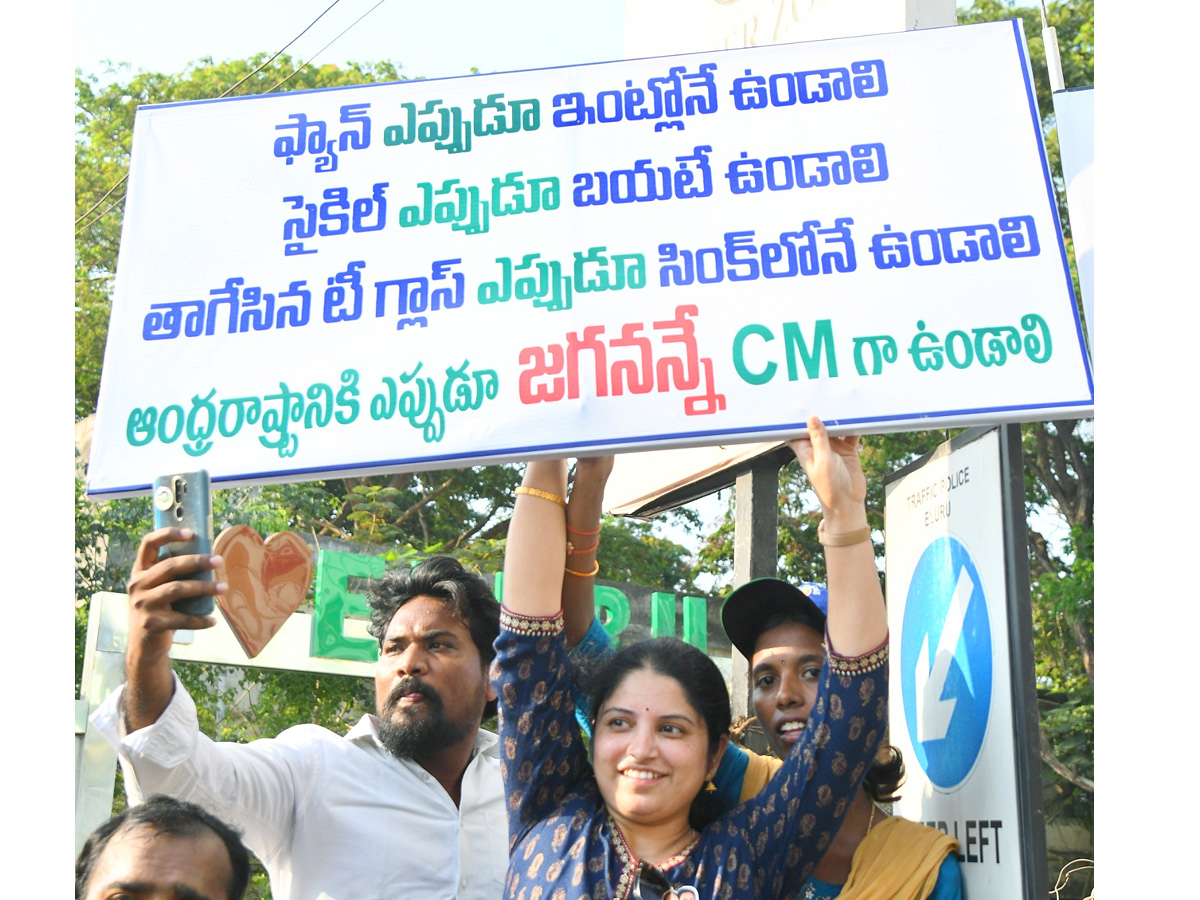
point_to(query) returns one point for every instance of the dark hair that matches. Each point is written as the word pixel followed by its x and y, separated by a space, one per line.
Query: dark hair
pixel 702 683
pixel 442 578
pixel 787 617
pixel 885 776
pixel 166 815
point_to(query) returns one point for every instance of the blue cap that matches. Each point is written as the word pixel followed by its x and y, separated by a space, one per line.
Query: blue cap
pixel 748 608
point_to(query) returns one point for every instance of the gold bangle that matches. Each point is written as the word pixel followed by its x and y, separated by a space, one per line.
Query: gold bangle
pixel 845 539
pixel 595 569
pixel 545 495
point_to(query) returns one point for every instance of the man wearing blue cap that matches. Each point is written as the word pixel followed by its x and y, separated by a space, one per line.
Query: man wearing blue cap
pixel 780 629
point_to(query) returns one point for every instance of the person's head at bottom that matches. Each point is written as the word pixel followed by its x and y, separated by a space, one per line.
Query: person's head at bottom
pixel 660 714
pixel 163 849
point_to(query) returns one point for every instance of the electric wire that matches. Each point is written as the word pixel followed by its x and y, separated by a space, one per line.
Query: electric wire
pixel 284 47
pixel 226 93
pixel 327 46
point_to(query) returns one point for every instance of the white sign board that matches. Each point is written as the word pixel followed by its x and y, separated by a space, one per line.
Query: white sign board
pixel 952 698
pixel 662 252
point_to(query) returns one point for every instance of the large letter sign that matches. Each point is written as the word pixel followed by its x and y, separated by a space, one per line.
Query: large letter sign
pixel 676 251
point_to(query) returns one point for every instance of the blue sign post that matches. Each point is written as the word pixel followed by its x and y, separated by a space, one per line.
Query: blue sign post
pixel 946 662
pixel 964 707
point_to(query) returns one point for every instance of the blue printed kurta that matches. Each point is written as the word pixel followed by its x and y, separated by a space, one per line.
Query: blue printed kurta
pixel 565 846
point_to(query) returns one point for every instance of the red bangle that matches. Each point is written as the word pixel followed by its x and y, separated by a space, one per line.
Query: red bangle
pixel 572 549
pixel 585 533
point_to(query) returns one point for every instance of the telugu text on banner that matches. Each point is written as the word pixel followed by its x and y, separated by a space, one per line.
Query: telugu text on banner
pixel 672 251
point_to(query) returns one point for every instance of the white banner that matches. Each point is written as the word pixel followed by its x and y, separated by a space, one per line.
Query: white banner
pixel 662 252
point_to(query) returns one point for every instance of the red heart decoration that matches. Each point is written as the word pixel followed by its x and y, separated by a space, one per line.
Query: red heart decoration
pixel 267 582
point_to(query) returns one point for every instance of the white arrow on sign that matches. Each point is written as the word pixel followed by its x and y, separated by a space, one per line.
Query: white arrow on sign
pixel 934 713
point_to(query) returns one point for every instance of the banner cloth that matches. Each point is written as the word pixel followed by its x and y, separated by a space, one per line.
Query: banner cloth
pixel 673 251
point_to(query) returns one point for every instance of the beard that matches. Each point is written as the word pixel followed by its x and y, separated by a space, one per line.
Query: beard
pixel 408 736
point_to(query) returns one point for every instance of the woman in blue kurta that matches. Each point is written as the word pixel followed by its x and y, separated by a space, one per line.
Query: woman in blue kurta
pixel 628 824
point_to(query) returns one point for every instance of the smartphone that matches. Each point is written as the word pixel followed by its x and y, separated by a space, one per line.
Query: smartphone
pixel 183 501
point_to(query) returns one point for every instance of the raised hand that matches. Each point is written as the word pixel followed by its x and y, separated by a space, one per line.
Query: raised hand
pixel 857 621
pixel 152 622
pixel 835 473
pixel 593 470
pixel 153 585
pixel 537 541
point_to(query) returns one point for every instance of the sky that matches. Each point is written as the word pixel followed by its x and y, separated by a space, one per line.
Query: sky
pixel 428 39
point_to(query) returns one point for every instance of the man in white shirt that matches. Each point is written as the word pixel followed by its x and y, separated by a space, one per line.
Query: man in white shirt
pixel 409 804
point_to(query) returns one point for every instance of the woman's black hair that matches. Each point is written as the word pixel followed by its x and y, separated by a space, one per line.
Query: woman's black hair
pixel 885 776
pixel 702 683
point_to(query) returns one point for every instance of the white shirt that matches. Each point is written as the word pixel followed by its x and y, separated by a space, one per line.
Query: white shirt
pixel 338 816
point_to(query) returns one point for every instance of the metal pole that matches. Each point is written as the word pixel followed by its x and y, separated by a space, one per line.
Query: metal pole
pixel 1053 59
pixel 755 552
pixel 1027 746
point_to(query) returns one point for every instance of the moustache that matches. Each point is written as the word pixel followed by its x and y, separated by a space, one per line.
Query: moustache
pixel 411 685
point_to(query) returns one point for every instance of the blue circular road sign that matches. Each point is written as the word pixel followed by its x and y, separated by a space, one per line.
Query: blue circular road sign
pixel 946 662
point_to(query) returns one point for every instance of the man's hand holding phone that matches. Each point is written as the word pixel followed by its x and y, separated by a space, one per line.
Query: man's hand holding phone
pixel 157 585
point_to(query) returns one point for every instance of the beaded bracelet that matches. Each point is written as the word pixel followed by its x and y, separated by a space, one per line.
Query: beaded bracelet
pixel 595 569
pixel 545 495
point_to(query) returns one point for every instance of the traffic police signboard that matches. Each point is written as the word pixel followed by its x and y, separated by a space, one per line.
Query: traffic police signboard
pixel 961 635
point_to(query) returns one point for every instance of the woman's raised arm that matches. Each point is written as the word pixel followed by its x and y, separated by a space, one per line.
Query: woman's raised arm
pixel 537 541
pixel 857 620
pixel 585 506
